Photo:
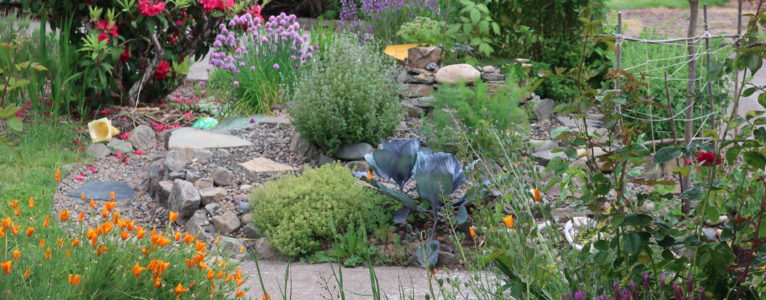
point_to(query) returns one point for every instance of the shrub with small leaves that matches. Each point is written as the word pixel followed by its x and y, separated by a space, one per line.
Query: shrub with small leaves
pixel 297 213
pixel 348 96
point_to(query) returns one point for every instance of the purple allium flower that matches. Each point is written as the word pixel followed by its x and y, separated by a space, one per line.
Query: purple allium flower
pixel 217 44
pixel 252 68
pixel 202 84
pixel 252 120
pixel 646 281
pixel 235 84
pixel 579 295
pixel 218 107
pixel 662 281
pixel 276 66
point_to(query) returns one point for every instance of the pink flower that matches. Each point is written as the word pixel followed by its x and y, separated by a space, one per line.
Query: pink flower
pixel 105 112
pixel 255 11
pixel 150 10
pixel 119 155
pixel 92 169
pixel 125 160
pixel 139 152
pixel 125 136
pixel 80 179
pixel 188 115
pixel 162 69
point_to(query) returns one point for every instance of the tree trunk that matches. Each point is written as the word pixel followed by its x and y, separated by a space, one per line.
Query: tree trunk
pixel 690 88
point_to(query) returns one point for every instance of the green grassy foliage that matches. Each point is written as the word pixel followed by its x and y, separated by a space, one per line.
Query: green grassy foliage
pixel 633 4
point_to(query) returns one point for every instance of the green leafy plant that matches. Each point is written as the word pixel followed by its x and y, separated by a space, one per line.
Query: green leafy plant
pixel 476 26
pixel 337 103
pixel 351 248
pixel 424 30
pixel 297 213
pixel 479 112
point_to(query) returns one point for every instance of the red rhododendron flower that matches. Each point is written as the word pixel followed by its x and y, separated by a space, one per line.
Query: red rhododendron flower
pixel 255 11
pixel 162 69
pixel 102 37
pixel 210 5
pixel 125 56
pixel 105 112
pixel 150 10
pixel 708 159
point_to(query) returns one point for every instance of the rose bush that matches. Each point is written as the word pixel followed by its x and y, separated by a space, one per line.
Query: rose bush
pixel 135 50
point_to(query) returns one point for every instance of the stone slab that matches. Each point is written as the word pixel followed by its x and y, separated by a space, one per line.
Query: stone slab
pixel 99 190
pixel 262 164
pixel 199 139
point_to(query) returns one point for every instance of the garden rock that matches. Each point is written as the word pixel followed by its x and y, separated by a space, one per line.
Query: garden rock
pixel 244 206
pixel 176 175
pixel 163 192
pixel 303 147
pixel 192 176
pixel 354 151
pixel 184 198
pixel 246 218
pixel 266 251
pixel 416 90
pixel 544 109
pixel 358 166
pixel 200 139
pixel 233 247
pixel 120 146
pixel 164 137
pixel 245 188
pixel 543 145
pixel 212 195
pixel 175 160
pixel 223 177
pixel 447 259
pixel 251 232
pixel 226 223
pixel 99 150
pixel 203 183
pixel 142 137
pixel 196 228
pixel 488 69
pixel 493 76
pixel 101 190
pixel 412 110
pixel 423 102
pixel 213 209
pixel 154 175
pixel 457 73
pixel 202 155
pixel 324 159
pixel 420 57
pixel 262 164
pixel 543 157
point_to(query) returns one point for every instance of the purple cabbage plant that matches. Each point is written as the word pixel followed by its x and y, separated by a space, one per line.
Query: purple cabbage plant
pixel 383 18
pixel 264 58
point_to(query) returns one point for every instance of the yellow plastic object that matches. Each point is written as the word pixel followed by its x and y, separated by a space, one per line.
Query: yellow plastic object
pixel 102 130
pixel 400 51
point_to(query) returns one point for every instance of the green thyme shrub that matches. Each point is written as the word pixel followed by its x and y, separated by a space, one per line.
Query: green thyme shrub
pixel 347 96
pixel 474 120
pixel 297 213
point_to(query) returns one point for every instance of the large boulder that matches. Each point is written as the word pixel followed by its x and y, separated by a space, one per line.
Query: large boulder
pixel 184 198
pixel 143 137
pixel 458 73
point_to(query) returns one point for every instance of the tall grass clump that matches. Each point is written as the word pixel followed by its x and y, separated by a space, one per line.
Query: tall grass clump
pixel 347 96
pixel 257 61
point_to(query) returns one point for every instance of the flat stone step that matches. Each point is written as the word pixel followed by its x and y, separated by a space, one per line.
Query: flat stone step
pixel 262 165
pixel 200 139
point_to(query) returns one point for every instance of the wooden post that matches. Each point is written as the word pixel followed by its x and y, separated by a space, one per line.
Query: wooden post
pixel 690 88
pixel 707 59
pixel 618 63
pixel 673 129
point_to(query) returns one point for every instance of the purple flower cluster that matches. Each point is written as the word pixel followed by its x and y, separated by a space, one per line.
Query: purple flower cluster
pixel 279 34
pixel 379 9
pixel 633 292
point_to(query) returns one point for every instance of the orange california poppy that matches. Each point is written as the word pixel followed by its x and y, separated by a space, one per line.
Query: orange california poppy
pixel 156 282
pixel 137 269
pixel 177 236
pixel 15 229
pixel 266 297
pixel 124 235
pixel 210 274
pixel 508 220
pixel 64 215
pixel 26 273
pixel 180 289
pixel 81 217
pixel 369 175
pixel 188 238
pixel 14 204
pixel 172 216
pixel 82 196
pixel 104 213
pixel 75 242
pixel 30 231
pixel 58 176
pixel 31 202
pixel 47 253
pixel 16 254
pixel 472 231
pixel 47 221
pixel 74 279
pixel 239 281
pixel 140 232
pixel 92 203
pixel 240 293
pixel 536 194
pixel 111 196
pixel 7 267
pixel 110 205
pixel 163 241
pixel 68 254
pixel 42 243
pixel 116 217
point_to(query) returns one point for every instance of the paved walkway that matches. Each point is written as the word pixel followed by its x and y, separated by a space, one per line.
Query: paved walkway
pixel 316 281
